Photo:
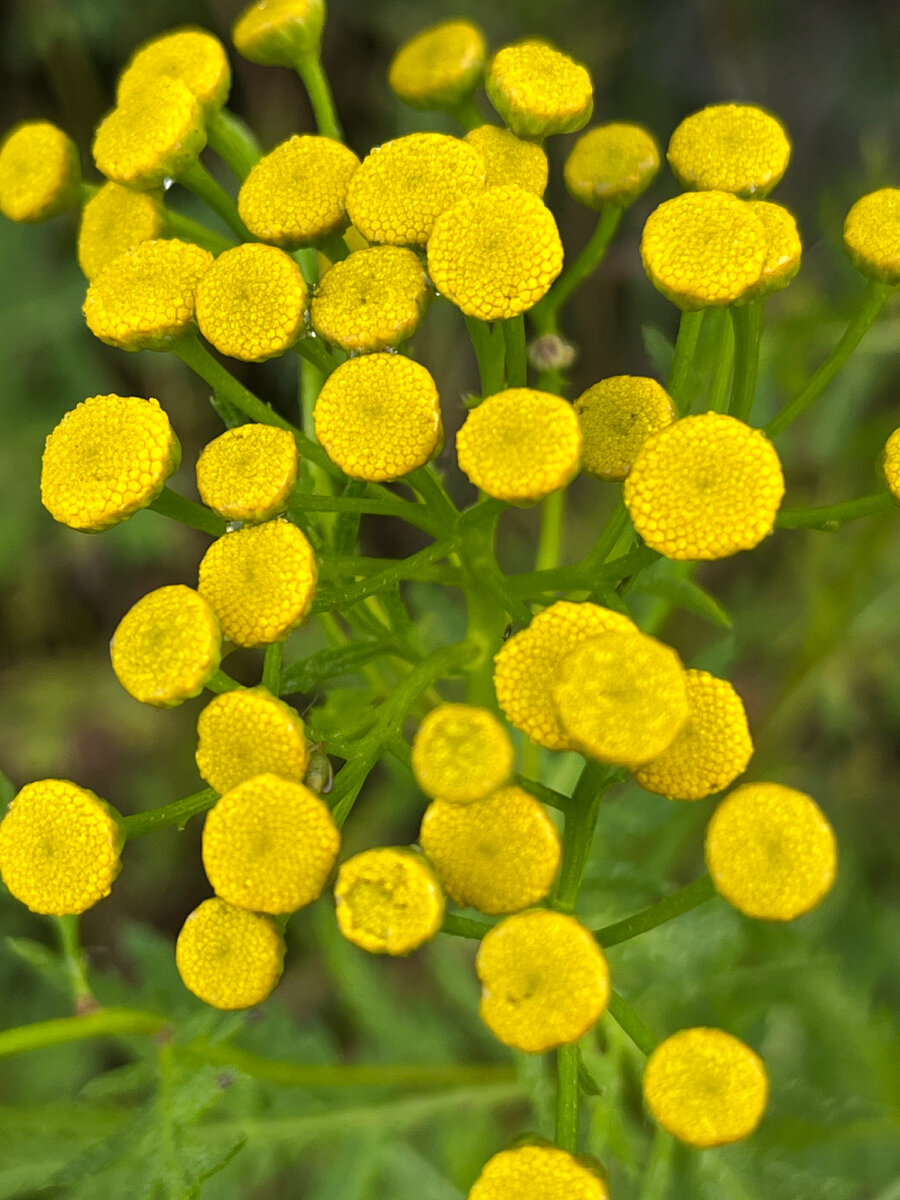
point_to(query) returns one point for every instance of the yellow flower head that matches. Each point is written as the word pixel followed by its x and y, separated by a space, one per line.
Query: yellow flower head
pixel 527 662
pixel 373 299
pixel 495 255
pixel 705 487
pixel 612 164
pixel 712 749
pixel 461 753
pixel 784 246
pixel 247 732
pixel 193 56
pixel 228 957
pixel 544 980
pixel 144 300
pixel 510 160
pixel 704 249
pixel 404 185
pixel 440 66
pixel 260 581
pixel 872 235
pixel 152 136
pixel 388 901
pixel 297 193
pixel 277 33
pixel 540 1172
pixel 114 221
pixel 269 845
pixel 248 473
pixel 167 646
pixel 107 458
pixel 770 851
pixel 538 90
pixel 731 148
pixel 520 445
pixel 251 303
pixel 498 854
pixel 617 415
pixel 40 173
pixel 890 464
pixel 59 847
pixel 706 1087
pixel 379 416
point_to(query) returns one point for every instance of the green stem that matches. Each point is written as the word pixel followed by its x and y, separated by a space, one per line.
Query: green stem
pixel 747 320
pixel 313 350
pixel 578 834
pixel 179 508
pixel 543 793
pixel 490 351
pixel 553 517
pixel 685 348
pixel 234 142
pixel 220 682
pixel 198 180
pixel 615 525
pixel 832 516
pixel 429 486
pixel 333 247
pixel 683 901
pixel 192 231
pixel 467 114
pixel 178 813
pixel 465 927
pixel 344 598
pixel 566 1136
pixel 101 1022
pixel 515 351
pixel 723 359
pixel 309 68
pixel 194 354
pixel 68 928
pixel 582 576
pixel 545 313
pixel 271 677
pixel 413 514
pixel 629 1022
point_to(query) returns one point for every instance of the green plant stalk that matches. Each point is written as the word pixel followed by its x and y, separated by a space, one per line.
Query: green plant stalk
pixel 220 682
pixel 545 313
pixel 69 930
pixel 747 320
pixel 581 576
pixel 198 180
pixel 465 927
pixel 515 351
pixel 832 516
pixel 271 676
pixel 578 833
pixel 178 508
pixel 629 1022
pixel 467 114
pixel 553 517
pixel 414 514
pixel 683 901
pixel 566 1134
pixel 333 247
pixel 192 231
pixel 723 358
pixel 178 813
pixel 233 141
pixel 309 68
pixel 429 487
pixel 490 351
pixel 685 348
pixel 101 1022
pixel 545 794
pixel 194 354
pixel 313 350
pixel 341 599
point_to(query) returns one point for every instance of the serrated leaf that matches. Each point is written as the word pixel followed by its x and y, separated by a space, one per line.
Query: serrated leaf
pixel 326 664
pixel 659 349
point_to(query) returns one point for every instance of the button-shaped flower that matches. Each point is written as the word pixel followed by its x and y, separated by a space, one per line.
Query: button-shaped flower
pixel 735 148
pixel 247 732
pixel 872 235
pixel 538 90
pixel 784 248
pixel 509 159
pixel 248 473
pixel 115 220
pixel 228 957
pixel 375 298
pixel 617 415
pixel 193 56
pixel 612 164
pixel 538 1172
pixel 155 133
pixel 388 901
pixel 439 67
pixel 461 753
pixel 890 464
pixel 40 173
pixel 277 33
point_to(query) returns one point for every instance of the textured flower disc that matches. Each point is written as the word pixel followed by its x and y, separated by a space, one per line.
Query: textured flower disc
pixel 520 445
pixel 167 646
pixel 617 415
pixel 509 160
pixel 712 749
pixel 461 753
pixel 890 464
pixel 612 164
pixel 379 417
pixel 228 957
pixel 439 67
pixel 704 249
pixel 496 255
pixel 544 980
pixel 706 1087
pixel 157 132
pixel 247 732
pixel 144 299
pixel 251 303
pixel 40 173
pixel 277 33
pixel 770 851
pixel 115 220
pixel 784 246
pixel 373 299
pixel 192 56
pixel 388 901
pixel 731 148
pixel 538 90
pixel 59 847
pixel 498 854
pixel 527 662
pixel 297 193
pixel 404 185
pixel 260 581
pixel 540 1172
pixel 107 458
pixel 248 473
pixel 872 235
pixel 705 487
pixel 269 845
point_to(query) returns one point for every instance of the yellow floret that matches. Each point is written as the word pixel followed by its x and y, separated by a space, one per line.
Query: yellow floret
pixel 279 32
pixel 378 416
pixel 872 235
pixel 269 845
pixel 784 246
pixel 890 464
pixel 496 255
pixel 440 66
pixel 40 173
pixel 540 1172
pixel 544 980
pixel 297 193
pixel 114 221
pixel 704 488
pixel 706 1087
pixel 612 164
pixel 167 646
pixel 704 249
pixel 152 136
pixel 59 847
pixel 228 957
pixel 538 90
pixel 498 854
pixel 260 581
pixel 373 299
pixel 510 160
pixel 527 662
pixel 617 415
pixel 770 851
pixel 388 901
pixel 191 55
pixel 106 459
pixel 731 148
pixel 247 732
pixel 461 753
pixel 248 473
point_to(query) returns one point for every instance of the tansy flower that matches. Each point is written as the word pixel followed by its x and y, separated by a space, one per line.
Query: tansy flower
pixel 496 254
pixel 167 646
pixel 277 33
pixel 890 464
pixel 247 732
pixel 461 753
pixel 770 851
pixel 538 90
pixel 193 56
pixel 783 246
pixel 616 416
pixel 612 164
pixel 520 445
pixel 248 473
pixel 705 487
pixel 872 235
pixel 527 662
pixel 404 185
pixel 228 957
pixel 498 854
pixel 439 67
pixel 388 901
pixel 730 148
pixel 371 300
pixel 40 174
pixel 378 416
pixel 152 136
pixel 705 1087
pixel 260 581
pixel 269 845
pixel 544 980
pixel 510 160
pixel 106 459
pixel 540 1172
pixel 114 221
pixel 59 847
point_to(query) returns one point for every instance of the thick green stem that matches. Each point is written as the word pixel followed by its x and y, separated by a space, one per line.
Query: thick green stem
pixel 198 180
pixel 467 114
pixel 683 901
pixel 723 358
pixel 465 927
pixel 178 813
pixel 515 351
pixel 578 834
pixel 271 677
pixel 629 1022
pixel 490 351
pixel 545 313
pixel 314 351
pixel 195 355
pixel 747 320
pixel 685 348
pixel 101 1022
pixel 179 508
pixel 69 931
pixel 832 516
pixel 192 231
pixel 566 1136
pixel 309 68
pixel 233 141
pixel 553 517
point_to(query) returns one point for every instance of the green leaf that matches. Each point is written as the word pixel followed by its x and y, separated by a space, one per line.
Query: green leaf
pixel 659 349
pixel 325 664
pixel 230 416
pixel 42 960
pixel 686 594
